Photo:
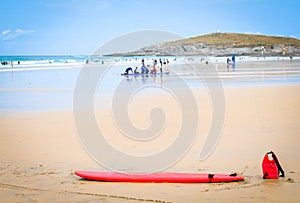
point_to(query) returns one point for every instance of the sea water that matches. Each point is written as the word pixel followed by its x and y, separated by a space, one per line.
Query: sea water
pixel 33 61
pixel 37 84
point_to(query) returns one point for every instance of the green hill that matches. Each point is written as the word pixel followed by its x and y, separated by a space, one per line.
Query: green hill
pixel 223 44
pixel 238 40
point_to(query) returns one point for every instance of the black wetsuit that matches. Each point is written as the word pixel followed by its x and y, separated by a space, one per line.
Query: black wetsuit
pixel 127 70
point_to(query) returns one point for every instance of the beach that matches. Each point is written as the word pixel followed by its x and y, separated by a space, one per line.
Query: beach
pixel 41 149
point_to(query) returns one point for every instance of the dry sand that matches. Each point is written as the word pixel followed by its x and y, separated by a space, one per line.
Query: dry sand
pixel 41 150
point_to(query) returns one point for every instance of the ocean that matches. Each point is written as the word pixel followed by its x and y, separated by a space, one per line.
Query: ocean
pixel 42 59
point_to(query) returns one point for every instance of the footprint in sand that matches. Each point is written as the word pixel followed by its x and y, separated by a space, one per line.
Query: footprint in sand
pixel 290 180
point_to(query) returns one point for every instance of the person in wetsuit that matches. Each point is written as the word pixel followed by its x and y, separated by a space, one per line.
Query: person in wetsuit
pixel 127 70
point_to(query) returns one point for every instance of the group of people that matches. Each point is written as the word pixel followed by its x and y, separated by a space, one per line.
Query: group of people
pixel 145 69
pixel 4 63
pixel 232 61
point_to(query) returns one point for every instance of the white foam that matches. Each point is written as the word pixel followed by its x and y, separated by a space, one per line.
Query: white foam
pixel 39 67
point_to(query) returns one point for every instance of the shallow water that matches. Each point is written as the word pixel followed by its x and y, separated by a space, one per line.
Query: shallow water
pixel 53 88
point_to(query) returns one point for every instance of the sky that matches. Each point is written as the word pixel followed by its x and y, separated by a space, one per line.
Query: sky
pixel 74 27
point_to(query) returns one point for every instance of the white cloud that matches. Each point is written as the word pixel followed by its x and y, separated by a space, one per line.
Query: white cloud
pixel 11 35
pixel 5 32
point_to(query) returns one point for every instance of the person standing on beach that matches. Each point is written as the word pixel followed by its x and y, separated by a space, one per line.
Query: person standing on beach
pixel 165 67
pixel 262 51
pixel 233 58
pixel 145 70
pixel 161 65
pixel 154 70
pixel 143 62
pixel 284 50
pixel 168 63
pixel 155 62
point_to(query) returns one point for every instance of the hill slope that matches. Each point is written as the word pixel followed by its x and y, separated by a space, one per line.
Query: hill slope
pixel 238 40
pixel 224 44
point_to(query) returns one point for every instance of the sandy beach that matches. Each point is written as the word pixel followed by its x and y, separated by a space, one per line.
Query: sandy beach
pixel 40 148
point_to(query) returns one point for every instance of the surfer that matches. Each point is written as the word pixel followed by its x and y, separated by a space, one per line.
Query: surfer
pixel 145 70
pixel 136 70
pixel 154 70
pixel 127 70
pixel 165 66
pixel 233 58
pixel 143 62
pixel 155 62
pixel 228 61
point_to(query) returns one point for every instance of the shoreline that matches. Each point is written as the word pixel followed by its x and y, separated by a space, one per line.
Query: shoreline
pixel 53 88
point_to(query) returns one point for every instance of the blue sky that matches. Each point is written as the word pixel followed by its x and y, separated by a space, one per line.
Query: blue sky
pixel 80 26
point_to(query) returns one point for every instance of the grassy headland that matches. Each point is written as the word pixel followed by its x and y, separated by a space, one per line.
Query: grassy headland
pixel 223 44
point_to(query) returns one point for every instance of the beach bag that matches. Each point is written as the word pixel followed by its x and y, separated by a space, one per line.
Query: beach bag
pixel 271 167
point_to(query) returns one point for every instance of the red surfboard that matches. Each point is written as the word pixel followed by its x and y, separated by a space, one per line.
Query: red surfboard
pixel 159 177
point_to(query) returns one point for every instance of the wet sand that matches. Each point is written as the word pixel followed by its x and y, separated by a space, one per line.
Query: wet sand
pixel 40 147
pixel 41 150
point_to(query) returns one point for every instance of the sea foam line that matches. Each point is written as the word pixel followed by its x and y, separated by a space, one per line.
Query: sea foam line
pixel 40 68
